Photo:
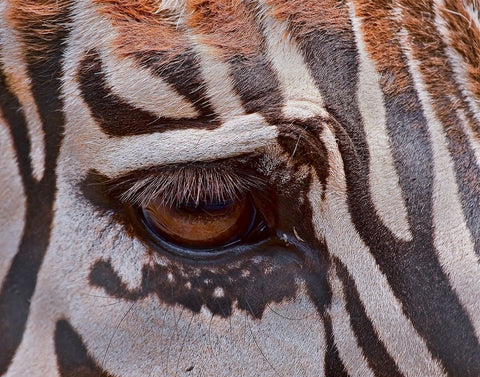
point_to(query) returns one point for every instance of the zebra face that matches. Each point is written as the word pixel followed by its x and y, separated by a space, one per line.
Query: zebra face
pixel 239 188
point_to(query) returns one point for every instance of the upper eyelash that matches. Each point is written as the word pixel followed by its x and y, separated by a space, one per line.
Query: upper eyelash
pixel 176 186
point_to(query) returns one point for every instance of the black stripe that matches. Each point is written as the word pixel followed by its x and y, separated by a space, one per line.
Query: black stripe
pixel 412 269
pixel 183 73
pixel 333 364
pixel 374 350
pixel 256 83
pixel 73 359
pixel 21 279
pixel 118 118
pixel 15 118
pixel 415 273
pixel 251 293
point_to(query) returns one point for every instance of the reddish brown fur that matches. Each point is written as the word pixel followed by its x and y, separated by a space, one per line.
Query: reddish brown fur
pixel 228 26
pixel 304 15
pixel 380 35
pixel 142 28
pixel 38 23
pixel 428 49
pixel 465 39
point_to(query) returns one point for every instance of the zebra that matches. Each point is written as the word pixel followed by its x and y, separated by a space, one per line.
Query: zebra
pixel 239 188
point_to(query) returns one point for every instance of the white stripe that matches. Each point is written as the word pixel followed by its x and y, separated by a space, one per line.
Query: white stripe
pixel 142 89
pixel 452 239
pixel 12 202
pixel 303 100
pixel 384 182
pixel 349 351
pixel 15 68
pixel 473 140
pixel 115 156
pixel 219 85
pixel 333 223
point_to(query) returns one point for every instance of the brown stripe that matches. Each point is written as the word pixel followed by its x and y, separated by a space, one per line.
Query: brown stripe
pixel 465 39
pixel 37 22
pixel 379 29
pixel 142 29
pixel 311 15
pixel 228 26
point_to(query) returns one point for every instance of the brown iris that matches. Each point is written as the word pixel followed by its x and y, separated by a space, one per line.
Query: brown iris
pixel 203 225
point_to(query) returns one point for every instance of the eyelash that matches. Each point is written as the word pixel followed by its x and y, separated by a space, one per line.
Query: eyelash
pixel 180 185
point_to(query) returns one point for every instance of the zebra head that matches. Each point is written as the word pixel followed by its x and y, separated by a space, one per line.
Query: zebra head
pixel 239 188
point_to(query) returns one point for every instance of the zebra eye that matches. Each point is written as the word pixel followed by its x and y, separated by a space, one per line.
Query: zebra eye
pixel 203 226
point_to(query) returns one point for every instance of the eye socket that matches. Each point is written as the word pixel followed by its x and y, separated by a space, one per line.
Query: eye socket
pixel 204 226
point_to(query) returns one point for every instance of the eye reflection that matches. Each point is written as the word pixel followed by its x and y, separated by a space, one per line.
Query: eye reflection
pixel 203 225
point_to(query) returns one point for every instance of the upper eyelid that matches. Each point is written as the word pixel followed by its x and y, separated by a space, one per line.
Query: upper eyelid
pixel 187 183
pixel 117 156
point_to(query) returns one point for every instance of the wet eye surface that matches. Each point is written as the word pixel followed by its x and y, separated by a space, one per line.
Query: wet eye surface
pixel 204 228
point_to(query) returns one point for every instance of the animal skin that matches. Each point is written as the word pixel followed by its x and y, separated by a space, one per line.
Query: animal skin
pixel 239 188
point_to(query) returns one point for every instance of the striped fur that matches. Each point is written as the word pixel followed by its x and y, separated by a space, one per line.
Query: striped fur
pixel 361 119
